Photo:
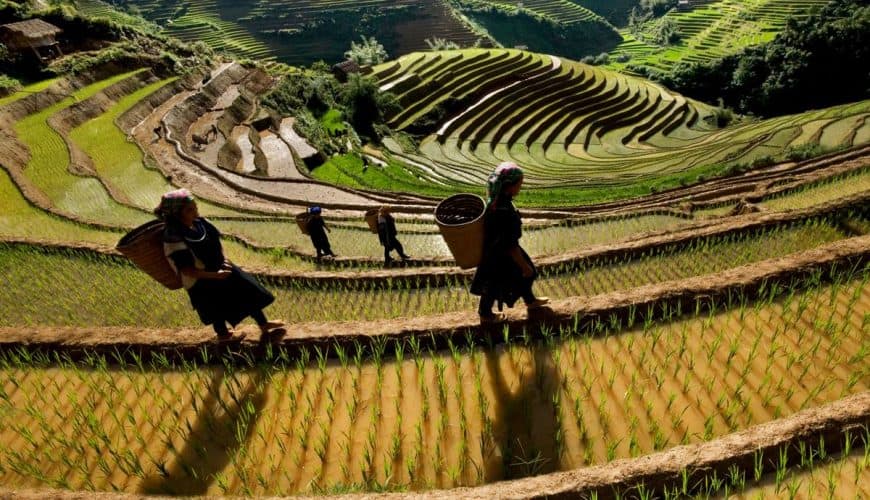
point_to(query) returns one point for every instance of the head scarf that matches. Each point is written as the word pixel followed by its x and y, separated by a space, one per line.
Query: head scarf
pixel 314 210
pixel 506 174
pixel 172 203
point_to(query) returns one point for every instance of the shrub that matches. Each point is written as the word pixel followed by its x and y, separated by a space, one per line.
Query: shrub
pixel 368 51
pixel 763 161
pixel 804 151
pixel 436 44
pixel 8 85
pixel 315 91
pixel 366 105
pixel 722 115
pixel 666 32
pixel 602 58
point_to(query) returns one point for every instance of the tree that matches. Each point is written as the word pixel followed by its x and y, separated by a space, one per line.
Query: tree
pixel 368 51
pixel 436 44
pixel 815 62
pixel 366 105
pixel 666 32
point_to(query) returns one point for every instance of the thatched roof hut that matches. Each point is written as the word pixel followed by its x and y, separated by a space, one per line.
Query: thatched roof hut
pixel 345 68
pixel 33 34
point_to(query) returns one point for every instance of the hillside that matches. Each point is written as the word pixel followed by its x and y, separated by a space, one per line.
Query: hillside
pixel 571 124
pixel 695 324
pixel 558 27
pixel 306 31
pixel 302 32
pixel 714 327
pixel 706 30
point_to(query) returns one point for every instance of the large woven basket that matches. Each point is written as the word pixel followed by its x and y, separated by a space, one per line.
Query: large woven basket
pixel 460 220
pixel 302 222
pixel 144 246
pixel 372 219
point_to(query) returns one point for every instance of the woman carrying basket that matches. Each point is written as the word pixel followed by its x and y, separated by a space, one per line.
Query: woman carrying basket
pixel 387 235
pixel 219 290
pixel 317 229
pixel 505 272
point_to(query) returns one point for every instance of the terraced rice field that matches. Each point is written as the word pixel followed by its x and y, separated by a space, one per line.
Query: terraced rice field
pixel 300 300
pixel 711 30
pixel 190 22
pixel 301 31
pixel 48 167
pixel 574 125
pixel 417 419
pixel 425 398
pixel 559 11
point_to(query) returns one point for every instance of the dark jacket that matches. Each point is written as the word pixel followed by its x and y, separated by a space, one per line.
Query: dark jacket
pixel 231 299
pixel 317 231
pixel 498 275
pixel 387 231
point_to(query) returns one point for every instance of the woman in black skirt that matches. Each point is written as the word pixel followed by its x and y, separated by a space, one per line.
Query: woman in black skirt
pixel 219 290
pixel 317 229
pixel 387 235
pixel 505 272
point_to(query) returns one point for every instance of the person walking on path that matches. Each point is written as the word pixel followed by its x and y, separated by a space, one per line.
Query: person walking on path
pixel 387 235
pixel 219 291
pixel 317 229
pixel 506 272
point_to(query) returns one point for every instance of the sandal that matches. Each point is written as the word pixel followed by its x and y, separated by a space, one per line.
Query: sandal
pixel 231 336
pixel 271 325
pixel 539 302
pixel 491 318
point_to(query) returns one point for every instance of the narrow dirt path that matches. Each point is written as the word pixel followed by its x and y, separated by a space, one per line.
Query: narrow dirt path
pixel 571 311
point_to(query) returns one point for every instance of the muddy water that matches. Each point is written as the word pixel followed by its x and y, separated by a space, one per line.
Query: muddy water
pixel 423 420
pixel 847 477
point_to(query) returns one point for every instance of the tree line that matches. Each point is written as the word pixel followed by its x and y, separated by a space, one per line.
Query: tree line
pixel 816 62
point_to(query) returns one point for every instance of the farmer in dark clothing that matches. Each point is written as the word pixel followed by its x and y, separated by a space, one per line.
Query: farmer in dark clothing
pixel 317 231
pixel 505 272
pixel 387 234
pixel 218 289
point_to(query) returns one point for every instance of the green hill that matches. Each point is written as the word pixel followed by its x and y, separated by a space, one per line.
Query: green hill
pixel 570 124
pixel 706 30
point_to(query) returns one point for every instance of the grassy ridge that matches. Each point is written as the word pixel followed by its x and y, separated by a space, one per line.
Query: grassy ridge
pixel 583 134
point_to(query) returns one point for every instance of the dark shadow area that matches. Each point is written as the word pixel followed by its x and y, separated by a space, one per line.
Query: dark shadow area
pixel 221 429
pixel 525 423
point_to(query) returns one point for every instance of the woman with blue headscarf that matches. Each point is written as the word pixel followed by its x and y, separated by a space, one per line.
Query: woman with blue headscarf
pixel 317 229
pixel 219 290
pixel 505 273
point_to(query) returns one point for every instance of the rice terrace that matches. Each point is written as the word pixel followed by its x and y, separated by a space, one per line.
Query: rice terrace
pixel 693 180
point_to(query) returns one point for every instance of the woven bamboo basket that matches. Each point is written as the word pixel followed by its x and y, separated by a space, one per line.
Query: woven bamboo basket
pixel 460 220
pixel 144 246
pixel 302 222
pixel 372 219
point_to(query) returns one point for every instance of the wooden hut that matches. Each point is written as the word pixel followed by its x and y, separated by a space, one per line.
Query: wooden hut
pixel 34 34
pixel 342 70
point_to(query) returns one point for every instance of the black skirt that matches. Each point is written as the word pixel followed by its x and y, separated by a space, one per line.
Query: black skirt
pixel 231 299
pixel 498 276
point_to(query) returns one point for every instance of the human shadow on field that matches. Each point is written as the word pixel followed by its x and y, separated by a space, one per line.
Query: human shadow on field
pixel 525 422
pixel 222 428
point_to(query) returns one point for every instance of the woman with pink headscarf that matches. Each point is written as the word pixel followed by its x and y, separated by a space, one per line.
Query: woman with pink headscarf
pixel 506 272
pixel 219 290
